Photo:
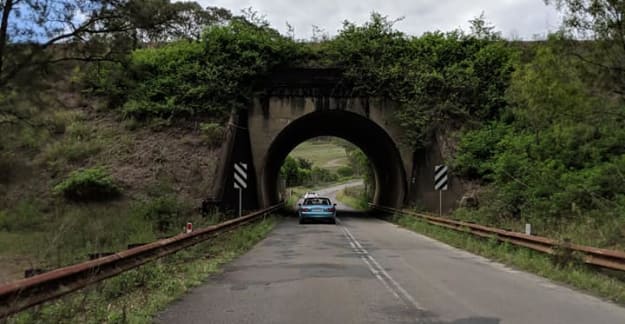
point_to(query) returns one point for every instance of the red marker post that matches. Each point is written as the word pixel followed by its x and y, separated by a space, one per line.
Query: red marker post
pixel 189 228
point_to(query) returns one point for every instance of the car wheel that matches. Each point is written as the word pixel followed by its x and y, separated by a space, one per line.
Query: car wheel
pixel 333 221
pixel 301 221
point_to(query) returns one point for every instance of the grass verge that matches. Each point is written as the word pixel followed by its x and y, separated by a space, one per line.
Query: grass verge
pixel 137 295
pixel 607 285
pixel 353 197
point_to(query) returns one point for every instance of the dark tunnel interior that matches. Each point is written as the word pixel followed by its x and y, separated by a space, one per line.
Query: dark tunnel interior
pixel 390 180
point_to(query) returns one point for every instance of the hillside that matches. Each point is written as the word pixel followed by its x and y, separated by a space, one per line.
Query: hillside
pixel 163 172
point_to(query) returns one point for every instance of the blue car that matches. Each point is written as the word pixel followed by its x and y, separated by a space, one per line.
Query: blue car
pixel 317 208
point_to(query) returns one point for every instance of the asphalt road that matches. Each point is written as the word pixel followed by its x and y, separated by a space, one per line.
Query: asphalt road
pixel 331 192
pixel 364 270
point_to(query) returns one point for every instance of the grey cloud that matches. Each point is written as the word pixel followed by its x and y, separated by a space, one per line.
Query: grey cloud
pixel 514 18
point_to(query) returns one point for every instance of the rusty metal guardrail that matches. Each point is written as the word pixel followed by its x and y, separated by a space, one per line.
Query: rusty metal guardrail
pixel 609 259
pixel 22 294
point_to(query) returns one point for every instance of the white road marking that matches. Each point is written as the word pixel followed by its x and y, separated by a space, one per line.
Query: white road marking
pixel 378 271
pixel 375 272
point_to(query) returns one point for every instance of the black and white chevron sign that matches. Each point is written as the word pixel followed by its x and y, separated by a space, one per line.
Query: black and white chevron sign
pixel 440 177
pixel 240 175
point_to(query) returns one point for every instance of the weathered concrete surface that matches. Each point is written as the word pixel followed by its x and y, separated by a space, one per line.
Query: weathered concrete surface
pixel 366 270
pixel 278 124
pixel 295 105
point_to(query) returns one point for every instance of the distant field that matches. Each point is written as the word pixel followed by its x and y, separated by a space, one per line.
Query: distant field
pixel 322 154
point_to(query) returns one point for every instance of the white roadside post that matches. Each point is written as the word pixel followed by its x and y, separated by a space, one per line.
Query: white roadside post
pixel 440 184
pixel 240 182
pixel 528 229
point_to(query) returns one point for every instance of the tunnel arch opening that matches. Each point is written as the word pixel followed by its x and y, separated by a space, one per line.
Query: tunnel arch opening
pixel 375 142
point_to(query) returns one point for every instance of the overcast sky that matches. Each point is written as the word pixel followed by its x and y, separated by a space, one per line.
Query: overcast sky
pixel 514 18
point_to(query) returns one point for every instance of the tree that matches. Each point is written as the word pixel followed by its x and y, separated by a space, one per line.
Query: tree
pixel 483 29
pixel 290 172
pixel 595 34
pixel 191 19
pixel 304 163
pixel 35 35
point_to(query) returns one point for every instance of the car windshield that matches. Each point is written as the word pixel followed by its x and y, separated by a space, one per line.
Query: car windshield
pixel 317 201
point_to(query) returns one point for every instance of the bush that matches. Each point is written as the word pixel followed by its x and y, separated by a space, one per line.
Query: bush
pixel 79 130
pixel 31 137
pixel 25 216
pixel 184 78
pixel 59 120
pixel 165 212
pixel 304 163
pixel 345 171
pixel 476 149
pixel 88 185
pixel 320 175
pixel 213 134
pixel 291 172
pixel 70 151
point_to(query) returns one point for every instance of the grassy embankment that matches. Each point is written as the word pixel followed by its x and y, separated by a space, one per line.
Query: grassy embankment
pixel 323 154
pixel 41 228
pixel 570 271
pixel 354 197
pixel 137 295
pixel 161 172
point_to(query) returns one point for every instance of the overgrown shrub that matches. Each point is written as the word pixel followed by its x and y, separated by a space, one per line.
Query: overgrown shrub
pixel 345 171
pixel 293 174
pixel 213 134
pixel 93 184
pixel 58 121
pixel 109 80
pixel 558 156
pixel 70 151
pixel 319 175
pixel 31 137
pixel 300 171
pixel 79 130
pixel 188 78
pixel 440 79
pixel 166 212
pixel 25 216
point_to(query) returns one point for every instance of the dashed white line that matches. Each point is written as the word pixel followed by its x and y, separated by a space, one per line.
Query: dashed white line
pixel 373 270
pixel 376 269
